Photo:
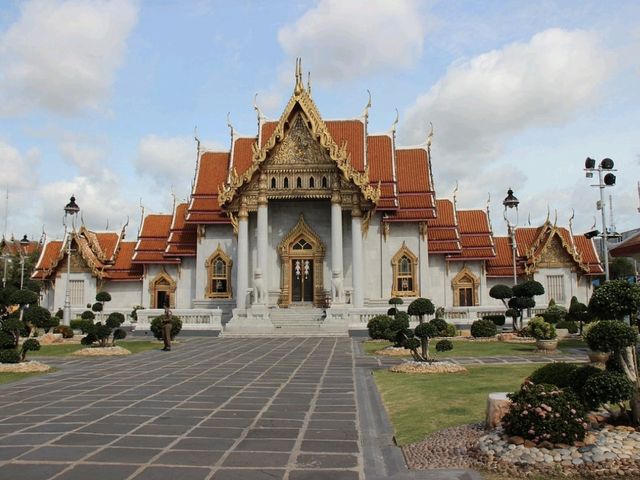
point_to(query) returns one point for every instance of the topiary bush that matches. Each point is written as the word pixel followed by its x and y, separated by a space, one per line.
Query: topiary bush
pixel 424 332
pixel 156 326
pixel 579 378
pixel 118 334
pixel 421 307
pixel 97 307
pixel 40 317
pixel 404 316
pixel 103 297
pixel 554 313
pixel 541 330
pixel 444 346
pixel 451 330
pixel 9 355
pixel 615 299
pixel 378 327
pixel 398 327
pixel 569 325
pixel 115 319
pixel 483 328
pixel 558 374
pixel 497 319
pixel 607 387
pixel 610 336
pixel 83 325
pixel 88 315
pixel 65 330
pixel 545 413
pixel 29 345
pixel 441 326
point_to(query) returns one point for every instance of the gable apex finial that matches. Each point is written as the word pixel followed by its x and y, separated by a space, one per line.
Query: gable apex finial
pixel 299 88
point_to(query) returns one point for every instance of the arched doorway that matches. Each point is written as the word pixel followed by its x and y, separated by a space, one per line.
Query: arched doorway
pixel 163 291
pixel 302 254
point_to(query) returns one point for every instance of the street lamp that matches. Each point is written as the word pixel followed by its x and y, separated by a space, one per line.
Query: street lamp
pixel 511 203
pixel 24 243
pixel 70 208
pixel 606 180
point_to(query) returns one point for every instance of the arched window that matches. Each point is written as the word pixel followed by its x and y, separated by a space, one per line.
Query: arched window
pixel 286 182
pixel 405 278
pixel 219 274
pixel 312 182
pixel 273 182
pixel 465 289
pixel 324 182
pixel 298 182
pixel 163 291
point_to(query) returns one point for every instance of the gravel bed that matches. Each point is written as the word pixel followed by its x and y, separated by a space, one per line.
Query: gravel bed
pixel 427 367
pixel 101 351
pixel 24 367
pixel 614 453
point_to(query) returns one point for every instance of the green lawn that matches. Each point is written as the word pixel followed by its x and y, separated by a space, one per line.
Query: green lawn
pixel 12 377
pixel 134 346
pixel 462 348
pixel 422 404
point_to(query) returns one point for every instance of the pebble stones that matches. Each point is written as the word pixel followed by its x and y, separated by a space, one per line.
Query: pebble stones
pixel 427 367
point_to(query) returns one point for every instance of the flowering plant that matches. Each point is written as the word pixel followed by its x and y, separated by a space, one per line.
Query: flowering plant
pixel 545 413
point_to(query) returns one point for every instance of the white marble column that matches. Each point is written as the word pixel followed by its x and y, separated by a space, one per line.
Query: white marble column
pixel 336 247
pixel 356 247
pixel 243 257
pixel 263 246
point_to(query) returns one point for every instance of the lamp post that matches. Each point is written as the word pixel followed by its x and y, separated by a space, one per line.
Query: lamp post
pixel 510 203
pixel 70 208
pixel 606 180
pixel 24 243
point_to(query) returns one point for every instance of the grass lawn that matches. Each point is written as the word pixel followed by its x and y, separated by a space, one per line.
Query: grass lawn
pixel 422 404
pixel 463 348
pixel 12 377
pixel 134 346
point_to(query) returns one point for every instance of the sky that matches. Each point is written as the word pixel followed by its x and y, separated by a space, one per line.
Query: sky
pixel 102 99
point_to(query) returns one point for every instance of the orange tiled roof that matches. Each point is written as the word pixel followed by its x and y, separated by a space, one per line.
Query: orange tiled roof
pixel 350 132
pixel 14 247
pixel 628 247
pixel 49 257
pixel 415 190
pixel 212 172
pixel 182 236
pixel 442 232
pixel 381 170
pixel 242 153
pixel 152 240
pixel 123 269
pixel 502 264
pixel 475 236
pixel 589 254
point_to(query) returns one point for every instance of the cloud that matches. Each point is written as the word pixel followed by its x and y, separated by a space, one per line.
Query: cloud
pixel 479 103
pixel 61 55
pixel 17 168
pixel 343 39
pixel 88 159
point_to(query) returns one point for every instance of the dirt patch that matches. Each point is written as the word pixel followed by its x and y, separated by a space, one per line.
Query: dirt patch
pixel 428 367
pixel 102 351
pixel 24 367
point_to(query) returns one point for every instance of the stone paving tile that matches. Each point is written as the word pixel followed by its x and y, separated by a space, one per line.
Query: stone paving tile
pixel 256 459
pixel 323 475
pixel 56 454
pixel 124 455
pixel 246 474
pixel 98 472
pixel 32 471
pixel 181 473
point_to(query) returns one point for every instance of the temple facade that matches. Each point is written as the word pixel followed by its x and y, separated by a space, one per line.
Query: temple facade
pixel 313 224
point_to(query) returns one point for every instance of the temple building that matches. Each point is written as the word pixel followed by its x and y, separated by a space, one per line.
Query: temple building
pixel 313 224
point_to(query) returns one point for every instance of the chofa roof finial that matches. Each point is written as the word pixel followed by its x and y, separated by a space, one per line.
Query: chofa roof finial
pixel 430 135
pixel 365 112
pixel 299 88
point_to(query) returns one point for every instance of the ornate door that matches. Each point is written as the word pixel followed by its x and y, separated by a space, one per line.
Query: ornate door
pixel 301 280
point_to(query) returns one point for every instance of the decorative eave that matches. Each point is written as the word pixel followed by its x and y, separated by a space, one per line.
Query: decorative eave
pixel 319 129
pixel 545 236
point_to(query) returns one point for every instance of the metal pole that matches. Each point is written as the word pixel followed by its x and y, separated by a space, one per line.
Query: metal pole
pixel 21 272
pixel 4 278
pixel 605 249
pixel 513 250
pixel 66 317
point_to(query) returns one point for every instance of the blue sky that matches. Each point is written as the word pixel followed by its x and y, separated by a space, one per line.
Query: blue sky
pixel 100 98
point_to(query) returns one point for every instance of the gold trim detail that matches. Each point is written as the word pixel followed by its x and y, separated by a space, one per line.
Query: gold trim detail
pixel 209 263
pixel 170 288
pixel 465 279
pixel 395 261
pixel 551 258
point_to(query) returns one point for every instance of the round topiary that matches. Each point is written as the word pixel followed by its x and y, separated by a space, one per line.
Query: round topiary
pixel 88 339
pixel 6 340
pixel 545 413
pixel 97 307
pixel 444 346
pixel 569 325
pixel 541 330
pixel 115 319
pixel 483 328
pixel 103 297
pixel 558 374
pixel 451 330
pixel 378 327
pixel 23 297
pixel 396 301
pixel 554 313
pixel 65 330
pixel 411 343
pixel 156 326
pixel 501 292
pixel 29 345
pixel 60 314
pixel 392 311
pixel 40 317
pixel 610 335
pixel 88 315
pixel 579 379
pixel 404 316
pixel 119 334
pixel 9 355
pixel 615 299
pixel 398 326
pixel 441 326
pixel 421 307
pixel 426 330
pixel 607 387
pixel 497 319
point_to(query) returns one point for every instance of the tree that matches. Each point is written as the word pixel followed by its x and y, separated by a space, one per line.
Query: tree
pixel 523 294
pixel 39 317
pixel 23 298
pixel 101 299
pixel 425 331
pixel 501 292
pixel 578 312
pixel 621 268
pixel 421 307
pixel 394 302
pixel 615 300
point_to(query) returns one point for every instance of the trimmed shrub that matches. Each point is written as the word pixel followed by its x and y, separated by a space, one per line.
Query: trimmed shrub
pixel 392 311
pixel 444 346
pixel 397 329
pixel 424 332
pixel 615 299
pixel 497 319
pixel 451 330
pixel 9 355
pixel 29 345
pixel 554 313
pixel 483 328
pixel 156 326
pixel 97 307
pixel 83 325
pixel 23 297
pixel 607 387
pixel 570 325
pixel 87 315
pixel 559 374
pixel 60 314
pixel 421 307
pixel 580 377
pixel 119 334
pixel 501 292
pixel 541 330
pixel 115 319
pixel 610 335
pixel 40 317
pixel 66 331
pixel 103 297
pixel 88 339
pixel 6 340
pixel 441 326
pixel 396 301
pixel 378 327
pixel 545 413
pixel 404 316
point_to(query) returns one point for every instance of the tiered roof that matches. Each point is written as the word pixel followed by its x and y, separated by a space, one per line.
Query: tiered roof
pixel 153 240
pixel 105 253
pixel 475 236
pixel 443 235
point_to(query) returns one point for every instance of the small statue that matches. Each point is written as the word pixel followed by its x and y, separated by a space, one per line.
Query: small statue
pixel 336 285
pixel 259 290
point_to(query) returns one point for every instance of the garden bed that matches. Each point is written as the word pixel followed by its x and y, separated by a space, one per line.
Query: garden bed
pixel 428 367
pixel 101 351
pixel 24 367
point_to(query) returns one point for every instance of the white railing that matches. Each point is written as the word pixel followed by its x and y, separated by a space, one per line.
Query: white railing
pixel 452 314
pixel 192 318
